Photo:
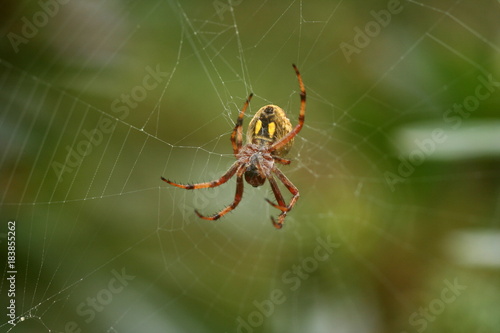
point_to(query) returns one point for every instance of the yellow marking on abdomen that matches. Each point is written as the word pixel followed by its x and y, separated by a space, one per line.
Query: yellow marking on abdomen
pixel 271 128
pixel 258 126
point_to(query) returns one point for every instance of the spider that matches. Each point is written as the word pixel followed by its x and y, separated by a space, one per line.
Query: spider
pixel 269 138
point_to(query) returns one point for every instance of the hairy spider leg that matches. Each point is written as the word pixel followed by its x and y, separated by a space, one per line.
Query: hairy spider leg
pixel 284 209
pixel 237 134
pixel 281 160
pixel 281 143
pixel 277 194
pixel 214 183
pixel 237 198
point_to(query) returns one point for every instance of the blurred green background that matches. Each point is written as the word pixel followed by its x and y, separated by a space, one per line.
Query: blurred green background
pixel 397 226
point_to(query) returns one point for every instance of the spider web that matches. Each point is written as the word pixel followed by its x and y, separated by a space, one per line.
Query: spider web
pixel 396 229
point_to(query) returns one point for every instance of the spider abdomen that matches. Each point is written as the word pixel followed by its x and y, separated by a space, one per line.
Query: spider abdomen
pixel 269 125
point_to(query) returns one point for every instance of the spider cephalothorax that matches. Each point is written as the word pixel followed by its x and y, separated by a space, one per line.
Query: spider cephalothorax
pixel 258 163
pixel 269 138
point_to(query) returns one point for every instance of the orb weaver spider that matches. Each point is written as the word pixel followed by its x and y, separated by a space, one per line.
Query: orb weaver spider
pixel 269 138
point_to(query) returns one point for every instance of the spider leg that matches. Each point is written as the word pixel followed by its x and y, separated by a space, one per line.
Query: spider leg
pixel 237 198
pixel 280 160
pixel 224 178
pixel 293 190
pixel 237 134
pixel 284 140
pixel 277 194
